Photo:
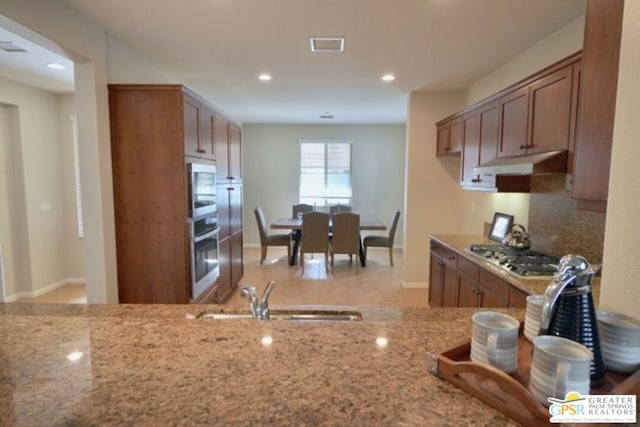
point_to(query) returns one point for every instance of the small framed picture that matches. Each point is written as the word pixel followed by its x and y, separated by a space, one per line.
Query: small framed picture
pixel 500 226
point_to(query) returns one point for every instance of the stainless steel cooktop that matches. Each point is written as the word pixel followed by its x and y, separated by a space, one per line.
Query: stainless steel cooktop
pixel 522 262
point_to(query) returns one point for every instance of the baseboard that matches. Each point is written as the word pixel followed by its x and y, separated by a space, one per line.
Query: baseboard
pixel 415 285
pixel 45 289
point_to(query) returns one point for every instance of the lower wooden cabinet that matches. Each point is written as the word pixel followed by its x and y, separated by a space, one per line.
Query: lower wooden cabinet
pixel 458 282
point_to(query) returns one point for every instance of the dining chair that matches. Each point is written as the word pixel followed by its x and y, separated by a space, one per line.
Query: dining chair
pixel 383 241
pixel 334 209
pixel 270 239
pixel 301 208
pixel 315 236
pixel 345 237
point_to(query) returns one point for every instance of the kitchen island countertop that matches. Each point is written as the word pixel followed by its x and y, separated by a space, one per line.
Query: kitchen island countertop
pixel 113 365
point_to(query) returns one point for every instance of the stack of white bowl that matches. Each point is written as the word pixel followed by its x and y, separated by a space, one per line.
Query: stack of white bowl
pixel 619 341
pixel 532 316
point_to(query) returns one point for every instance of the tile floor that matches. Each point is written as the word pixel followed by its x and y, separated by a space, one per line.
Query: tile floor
pixel 376 285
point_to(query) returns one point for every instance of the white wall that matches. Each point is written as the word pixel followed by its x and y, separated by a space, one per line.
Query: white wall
pixel 271 168
pixel 620 288
pixel 87 44
pixel 553 48
pixel 35 176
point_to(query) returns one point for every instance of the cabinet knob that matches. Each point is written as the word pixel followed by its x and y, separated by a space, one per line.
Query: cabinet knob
pixel 476 180
pixel 200 150
pixel 231 177
pixel 525 146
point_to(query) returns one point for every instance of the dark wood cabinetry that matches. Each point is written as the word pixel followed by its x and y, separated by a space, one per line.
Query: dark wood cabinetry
pixel 228 145
pixel 536 118
pixel 535 115
pixel 514 123
pixel 449 141
pixel 456 281
pixel 594 134
pixel 198 129
pixel 443 277
pixel 480 142
pixel 155 131
pixel 229 200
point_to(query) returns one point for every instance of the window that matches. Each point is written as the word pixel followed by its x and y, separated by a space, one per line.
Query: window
pixel 325 172
pixel 76 167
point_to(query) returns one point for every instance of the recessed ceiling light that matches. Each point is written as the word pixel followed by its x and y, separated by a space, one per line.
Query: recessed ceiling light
pixel 388 77
pixel 265 77
pixel 54 66
pixel 327 44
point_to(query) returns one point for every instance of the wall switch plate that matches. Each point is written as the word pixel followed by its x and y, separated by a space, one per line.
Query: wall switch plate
pixel 45 206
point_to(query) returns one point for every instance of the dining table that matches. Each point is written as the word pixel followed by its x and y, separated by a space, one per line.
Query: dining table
pixel 295 225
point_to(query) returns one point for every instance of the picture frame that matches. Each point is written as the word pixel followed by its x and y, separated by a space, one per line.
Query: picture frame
pixel 500 226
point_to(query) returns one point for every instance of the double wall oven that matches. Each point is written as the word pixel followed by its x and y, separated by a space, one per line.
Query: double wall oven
pixel 203 227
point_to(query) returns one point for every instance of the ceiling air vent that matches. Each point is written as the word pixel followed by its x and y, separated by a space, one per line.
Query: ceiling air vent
pixel 10 47
pixel 327 44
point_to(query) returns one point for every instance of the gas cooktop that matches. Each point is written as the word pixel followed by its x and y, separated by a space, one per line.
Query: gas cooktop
pixel 522 262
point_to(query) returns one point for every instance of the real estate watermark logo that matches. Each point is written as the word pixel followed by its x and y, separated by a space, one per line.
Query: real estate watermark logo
pixel 577 408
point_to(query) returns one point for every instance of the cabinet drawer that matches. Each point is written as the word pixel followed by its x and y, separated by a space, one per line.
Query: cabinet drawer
pixel 447 255
pixel 469 268
pixel 495 284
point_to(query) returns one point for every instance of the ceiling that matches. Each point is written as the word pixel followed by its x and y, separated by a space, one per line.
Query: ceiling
pixel 219 47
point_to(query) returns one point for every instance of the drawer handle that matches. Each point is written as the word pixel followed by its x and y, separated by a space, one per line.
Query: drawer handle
pixel 451 257
pixel 200 150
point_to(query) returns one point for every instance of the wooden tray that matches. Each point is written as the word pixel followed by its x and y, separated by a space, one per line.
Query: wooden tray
pixel 509 393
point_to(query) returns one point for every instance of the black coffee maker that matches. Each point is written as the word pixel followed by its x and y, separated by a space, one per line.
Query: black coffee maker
pixel 568 310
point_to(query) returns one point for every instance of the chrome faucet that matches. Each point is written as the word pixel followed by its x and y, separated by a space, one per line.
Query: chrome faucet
pixel 259 308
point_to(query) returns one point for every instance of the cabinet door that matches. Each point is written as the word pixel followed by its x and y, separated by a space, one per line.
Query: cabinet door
pixel 471 148
pixel 489 299
pixel 467 291
pixel 224 283
pixel 594 138
pixel 517 298
pixel 191 127
pixel 575 102
pixel 237 267
pixel 221 137
pixel 235 208
pixel 449 140
pixel 489 132
pixel 436 281
pixel 207 146
pixel 449 285
pixel 514 119
pixel 550 111
pixel 224 207
pixel 235 153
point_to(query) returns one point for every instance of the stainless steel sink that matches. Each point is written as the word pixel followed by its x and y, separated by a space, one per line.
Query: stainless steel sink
pixel 303 315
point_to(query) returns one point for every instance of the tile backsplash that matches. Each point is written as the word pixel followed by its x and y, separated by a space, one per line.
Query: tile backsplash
pixel 557 227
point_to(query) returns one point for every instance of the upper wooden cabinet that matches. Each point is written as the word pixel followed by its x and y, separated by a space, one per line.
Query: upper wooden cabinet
pixel 449 138
pixel 198 129
pixel 550 107
pixel 228 143
pixel 514 123
pixel 536 118
pixel 480 142
pixel 594 133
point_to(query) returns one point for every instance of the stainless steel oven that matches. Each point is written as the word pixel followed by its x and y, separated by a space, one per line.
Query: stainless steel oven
pixel 202 189
pixel 205 266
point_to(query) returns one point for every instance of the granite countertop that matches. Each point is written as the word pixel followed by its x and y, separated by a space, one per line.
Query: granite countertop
pixel 532 286
pixel 149 365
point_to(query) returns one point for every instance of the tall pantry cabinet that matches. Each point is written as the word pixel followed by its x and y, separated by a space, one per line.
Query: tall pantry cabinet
pixel 156 130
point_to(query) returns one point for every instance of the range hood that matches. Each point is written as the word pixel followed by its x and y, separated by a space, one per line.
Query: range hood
pixel 513 174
